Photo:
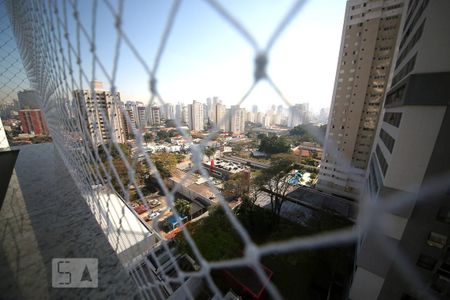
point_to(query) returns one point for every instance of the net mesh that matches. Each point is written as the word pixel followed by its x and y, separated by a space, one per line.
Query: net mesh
pixel 52 41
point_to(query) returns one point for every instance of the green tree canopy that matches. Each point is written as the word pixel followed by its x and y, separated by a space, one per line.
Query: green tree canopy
pixel 162 135
pixel 214 236
pixel 309 133
pixel 148 137
pixel 183 207
pixel 209 151
pixel 166 163
pixel 113 150
pixel 237 186
pixel 274 145
pixel 118 164
pixel 274 181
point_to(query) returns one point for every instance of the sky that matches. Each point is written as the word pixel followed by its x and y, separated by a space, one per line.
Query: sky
pixel 205 56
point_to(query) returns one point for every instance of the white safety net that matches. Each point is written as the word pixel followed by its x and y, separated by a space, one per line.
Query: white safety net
pixel 61 57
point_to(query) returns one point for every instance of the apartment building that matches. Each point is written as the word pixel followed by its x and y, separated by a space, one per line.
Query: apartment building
pixel 219 116
pixel 99 114
pixel 410 161
pixel 237 119
pixel 155 115
pixel 367 48
pixel 196 116
pixel 298 114
pixel 28 99
pixel 33 122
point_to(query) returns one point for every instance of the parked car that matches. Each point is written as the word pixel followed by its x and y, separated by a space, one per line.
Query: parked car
pixel 140 209
pixel 154 215
pixel 154 203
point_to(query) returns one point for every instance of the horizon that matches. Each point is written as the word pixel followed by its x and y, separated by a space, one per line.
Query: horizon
pixel 203 53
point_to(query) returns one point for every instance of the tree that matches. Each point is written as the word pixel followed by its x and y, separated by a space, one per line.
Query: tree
pixel 274 181
pixel 162 135
pixel 148 137
pixel 166 163
pixel 183 207
pixel 260 136
pixel 274 145
pixel 238 185
pixel 118 164
pixel 309 133
pixel 173 133
pixel 210 151
pixel 113 151
pixel 214 237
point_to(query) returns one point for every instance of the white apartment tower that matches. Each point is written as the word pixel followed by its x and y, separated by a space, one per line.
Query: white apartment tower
pixel 298 114
pixel 367 48
pixel 141 120
pixel 238 117
pixel 196 116
pixel 155 115
pixel 168 111
pixel 99 115
pixel 410 160
pixel 129 122
pixel 219 116
pixel 185 114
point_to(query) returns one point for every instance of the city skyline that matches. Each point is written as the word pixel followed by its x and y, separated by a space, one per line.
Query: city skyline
pixel 205 61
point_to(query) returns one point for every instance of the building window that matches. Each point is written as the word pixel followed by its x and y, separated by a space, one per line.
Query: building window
pixel 388 141
pixel 437 240
pixel 381 160
pixel 405 70
pixel 426 262
pixel 395 96
pixel 393 118
pixel 416 37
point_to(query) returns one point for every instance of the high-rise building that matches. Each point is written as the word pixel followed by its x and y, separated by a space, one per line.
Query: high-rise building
pixel 155 115
pixel 209 109
pixel 138 111
pixel 205 115
pixel 99 114
pixel 28 99
pixel 129 122
pixel 255 109
pixel 267 121
pixel 250 117
pixel 280 109
pixel 141 119
pixel 259 117
pixel 238 116
pixel 323 115
pixel 228 119
pixel 410 160
pixel 196 116
pixel 367 48
pixel 219 116
pixel 33 122
pixel 178 112
pixel 185 114
pixel 168 111
pixel 298 114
